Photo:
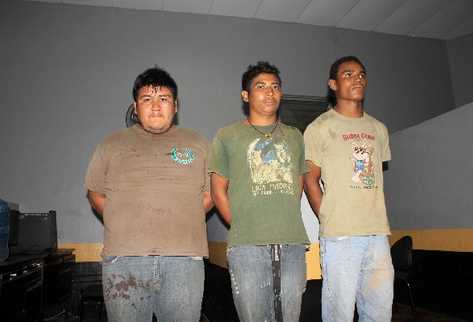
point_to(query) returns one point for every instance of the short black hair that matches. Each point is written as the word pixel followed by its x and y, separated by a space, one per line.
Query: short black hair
pixel 254 70
pixel 155 77
pixel 331 97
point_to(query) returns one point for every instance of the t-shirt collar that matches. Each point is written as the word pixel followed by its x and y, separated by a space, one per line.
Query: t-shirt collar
pixel 137 128
pixel 347 118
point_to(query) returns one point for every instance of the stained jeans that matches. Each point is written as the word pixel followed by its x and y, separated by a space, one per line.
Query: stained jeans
pixel 357 268
pixel 252 282
pixel 135 287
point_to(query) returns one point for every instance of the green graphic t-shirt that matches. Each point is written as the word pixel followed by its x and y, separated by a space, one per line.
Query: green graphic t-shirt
pixel 264 187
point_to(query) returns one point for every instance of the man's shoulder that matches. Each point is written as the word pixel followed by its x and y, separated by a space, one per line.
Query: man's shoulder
pixel 191 138
pixel 190 134
pixel 377 123
pixel 118 136
pixel 321 121
pixel 229 130
pixel 292 130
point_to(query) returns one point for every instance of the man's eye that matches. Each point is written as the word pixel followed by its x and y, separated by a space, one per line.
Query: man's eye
pixel 259 85
pixel 276 87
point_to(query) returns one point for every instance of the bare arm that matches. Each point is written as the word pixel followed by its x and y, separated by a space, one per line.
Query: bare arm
pixel 97 201
pixel 301 185
pixel 219 187
pixel 207 201
pixel 312 187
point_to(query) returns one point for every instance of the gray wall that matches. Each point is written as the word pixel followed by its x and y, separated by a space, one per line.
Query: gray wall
pixel 460 53
pixel 67 73
pixel 428 184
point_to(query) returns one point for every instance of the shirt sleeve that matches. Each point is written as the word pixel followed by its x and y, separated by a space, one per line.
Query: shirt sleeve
pixel 206 187
pixel 96 171
pixel 313 145
pixel 386 153
pixel 302 164
pixel 218 161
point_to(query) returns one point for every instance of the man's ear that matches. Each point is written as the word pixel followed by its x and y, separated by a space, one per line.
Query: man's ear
pixel 332 84
pixel 134 108
pixel 176 105
pixel 244 96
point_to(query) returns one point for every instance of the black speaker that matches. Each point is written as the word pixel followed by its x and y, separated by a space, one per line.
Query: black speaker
pixel 37 233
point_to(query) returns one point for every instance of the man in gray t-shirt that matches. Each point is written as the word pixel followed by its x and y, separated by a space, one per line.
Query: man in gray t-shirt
pixel 150 183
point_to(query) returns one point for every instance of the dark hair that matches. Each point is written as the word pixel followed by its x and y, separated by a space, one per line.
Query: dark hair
pixel 155 77
pixel 254 70
pixel 331 97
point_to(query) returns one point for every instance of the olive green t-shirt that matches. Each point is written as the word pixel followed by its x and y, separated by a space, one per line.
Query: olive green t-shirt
pixel 264 187
pixel 350 152
pixel 153 184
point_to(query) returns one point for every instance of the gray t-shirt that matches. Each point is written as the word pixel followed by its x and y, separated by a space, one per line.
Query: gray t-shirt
pixel 153 186
pixel 264 187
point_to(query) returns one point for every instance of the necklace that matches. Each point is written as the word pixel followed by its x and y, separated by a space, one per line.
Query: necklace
pixel 266 135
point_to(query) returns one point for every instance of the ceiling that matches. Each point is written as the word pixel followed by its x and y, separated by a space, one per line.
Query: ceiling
pixel 438 19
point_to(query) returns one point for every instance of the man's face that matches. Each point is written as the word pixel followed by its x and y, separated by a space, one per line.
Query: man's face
pixel 264 95
pixel 155 107
pixel 351 82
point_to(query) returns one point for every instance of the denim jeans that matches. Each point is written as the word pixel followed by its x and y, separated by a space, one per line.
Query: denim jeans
pixel 135 287
pixel 252 282
pixel 356 269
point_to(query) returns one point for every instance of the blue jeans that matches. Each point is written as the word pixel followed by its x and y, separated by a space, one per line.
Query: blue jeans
pixel 356 269
pixel 135 287
pixel 252 282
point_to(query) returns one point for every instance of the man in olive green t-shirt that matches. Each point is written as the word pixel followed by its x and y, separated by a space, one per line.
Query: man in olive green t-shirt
pixel 345 148
pixel 256 183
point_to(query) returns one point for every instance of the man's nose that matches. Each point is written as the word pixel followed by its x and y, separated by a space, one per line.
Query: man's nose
pixel 359 78
pixel 156 105
pixel 270 91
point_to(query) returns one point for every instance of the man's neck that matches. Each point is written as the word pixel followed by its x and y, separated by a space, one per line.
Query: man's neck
pixel 350 108
pixel 261 120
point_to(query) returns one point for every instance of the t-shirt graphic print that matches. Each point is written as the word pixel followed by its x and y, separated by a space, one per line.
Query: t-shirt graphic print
pixel 363 164
pixel 270 166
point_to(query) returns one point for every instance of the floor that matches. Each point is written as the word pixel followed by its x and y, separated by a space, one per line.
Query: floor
pixel 401 313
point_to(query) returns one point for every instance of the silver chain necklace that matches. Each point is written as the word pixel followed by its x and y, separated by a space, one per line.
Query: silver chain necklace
pixel 266 135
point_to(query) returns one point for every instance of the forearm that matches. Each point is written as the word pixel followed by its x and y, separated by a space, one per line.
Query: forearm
pixel 207 202
pixel 314 195
pixel 219 188
pixel 97 201
pixel 312 187
pixel 223 205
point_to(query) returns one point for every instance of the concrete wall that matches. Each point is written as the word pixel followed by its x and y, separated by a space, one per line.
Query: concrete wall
pixel 460 53
pixel 67 73
pixel 428 184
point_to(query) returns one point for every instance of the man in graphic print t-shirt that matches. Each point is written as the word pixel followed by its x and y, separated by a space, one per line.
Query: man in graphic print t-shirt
pixel 256 170
pixel 345 148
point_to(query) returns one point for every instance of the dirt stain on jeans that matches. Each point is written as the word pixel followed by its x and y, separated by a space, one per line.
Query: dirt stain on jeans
pixel 119 286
